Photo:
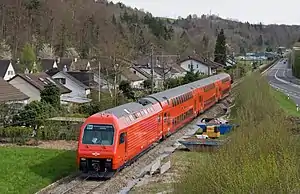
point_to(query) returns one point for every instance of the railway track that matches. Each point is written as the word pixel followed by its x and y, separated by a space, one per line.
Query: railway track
pixel 80 185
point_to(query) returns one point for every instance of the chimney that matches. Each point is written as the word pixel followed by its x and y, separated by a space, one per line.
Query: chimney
pixel 88 66
pixel 65 69
pixel 75 59
pixel 26 71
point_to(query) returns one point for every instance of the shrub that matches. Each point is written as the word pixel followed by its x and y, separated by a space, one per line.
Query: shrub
pixel 57 131
pixel 16 134
pixel 262 156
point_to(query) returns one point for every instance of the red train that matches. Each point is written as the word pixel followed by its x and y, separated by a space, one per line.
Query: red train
pixel 111 139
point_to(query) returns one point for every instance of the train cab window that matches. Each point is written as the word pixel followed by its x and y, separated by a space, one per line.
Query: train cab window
pixel 98 134
pixel 122 138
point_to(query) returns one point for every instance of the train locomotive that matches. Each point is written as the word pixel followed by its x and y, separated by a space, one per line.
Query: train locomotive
pixel 111 139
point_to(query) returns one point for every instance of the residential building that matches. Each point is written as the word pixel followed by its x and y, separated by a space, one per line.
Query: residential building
pixel 59 63
pixel 33 84
pixel 79 91
pixel 7 70
pixel 85 77
pixel 204 66
pixel 135 80
pixel 10 94
pixel 139 72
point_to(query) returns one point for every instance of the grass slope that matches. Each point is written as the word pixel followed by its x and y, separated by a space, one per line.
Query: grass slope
pixel 27 170
pixel 262 157
pixel 286 104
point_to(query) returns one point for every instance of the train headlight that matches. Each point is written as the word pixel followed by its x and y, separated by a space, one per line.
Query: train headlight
pixel 108 160
pixel 83 159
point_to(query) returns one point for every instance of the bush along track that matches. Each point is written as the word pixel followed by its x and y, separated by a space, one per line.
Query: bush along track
pixel 263 155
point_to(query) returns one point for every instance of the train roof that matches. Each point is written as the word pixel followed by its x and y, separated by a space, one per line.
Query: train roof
pixel 203 82
pixel 167 94
pixel 125 109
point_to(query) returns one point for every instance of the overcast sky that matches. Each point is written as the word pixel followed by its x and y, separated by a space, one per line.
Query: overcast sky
pixel 254 11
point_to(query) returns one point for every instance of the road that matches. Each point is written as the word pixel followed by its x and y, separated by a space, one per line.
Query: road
pixel 280 77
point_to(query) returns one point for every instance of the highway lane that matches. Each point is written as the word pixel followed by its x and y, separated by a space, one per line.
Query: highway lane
pixel 280 77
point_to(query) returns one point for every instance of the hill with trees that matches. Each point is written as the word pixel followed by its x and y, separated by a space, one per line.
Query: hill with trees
pixel 89 28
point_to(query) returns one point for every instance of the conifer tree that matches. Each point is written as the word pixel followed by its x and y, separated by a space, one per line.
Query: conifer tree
pixel 220 48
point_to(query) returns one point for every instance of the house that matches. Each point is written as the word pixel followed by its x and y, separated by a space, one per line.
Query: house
pixel 7 70
pixel 10 94
pixel 85 77
pixel 134 79
pixel 140 73
pixel 204 66
pixel 79 91
pixel 33 84
pixel 59 63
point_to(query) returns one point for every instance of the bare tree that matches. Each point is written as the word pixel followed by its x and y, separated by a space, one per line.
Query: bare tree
pixel 71 53
pixel 5 52
pixel 47 52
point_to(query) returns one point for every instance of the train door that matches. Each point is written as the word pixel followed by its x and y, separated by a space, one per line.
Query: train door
pixel 195 107
pixel 159 126
pixel 166 123
pixel 122 148
pixel 200 104
pixel 218 89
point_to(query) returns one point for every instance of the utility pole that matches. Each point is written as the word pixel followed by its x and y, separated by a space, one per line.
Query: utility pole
pixel 99 81
pixel 152 73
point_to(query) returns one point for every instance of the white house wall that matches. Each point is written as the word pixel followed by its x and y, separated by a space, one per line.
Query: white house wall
pixel 197 66
pixel 137 84
pixel 32 92
pixel 10 72
pixel 77 91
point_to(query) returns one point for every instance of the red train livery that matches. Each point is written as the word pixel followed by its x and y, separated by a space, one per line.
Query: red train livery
pixel 113 138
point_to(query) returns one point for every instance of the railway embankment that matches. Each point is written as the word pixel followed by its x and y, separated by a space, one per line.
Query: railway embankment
pixel 263 156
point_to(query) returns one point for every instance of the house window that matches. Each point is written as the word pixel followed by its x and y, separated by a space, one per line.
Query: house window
pixel 197 66
pixel 61 80
pixel 10 72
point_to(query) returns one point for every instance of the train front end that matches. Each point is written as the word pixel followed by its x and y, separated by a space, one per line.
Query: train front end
pixel 96 150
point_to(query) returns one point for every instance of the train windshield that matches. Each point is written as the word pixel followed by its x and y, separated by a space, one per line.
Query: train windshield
pixel 98 134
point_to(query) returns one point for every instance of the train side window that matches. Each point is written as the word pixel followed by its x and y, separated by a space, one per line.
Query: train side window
pixel 158 119
pixel 122 138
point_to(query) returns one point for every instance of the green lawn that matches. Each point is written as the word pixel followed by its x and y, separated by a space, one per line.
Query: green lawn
pixel 27 170
pixel 286 104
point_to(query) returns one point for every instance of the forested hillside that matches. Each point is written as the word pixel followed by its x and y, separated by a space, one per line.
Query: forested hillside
pixel 90 28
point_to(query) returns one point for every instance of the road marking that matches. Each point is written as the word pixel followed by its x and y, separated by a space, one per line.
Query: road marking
pixel 283 81
pixel 295 95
